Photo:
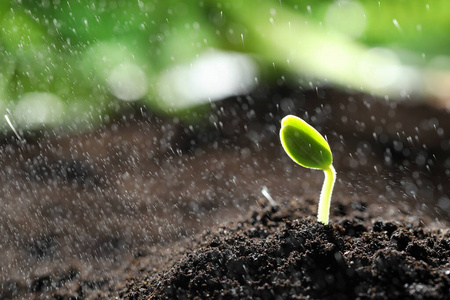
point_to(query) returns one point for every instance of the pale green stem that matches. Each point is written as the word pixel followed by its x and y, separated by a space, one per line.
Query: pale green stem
pixel 325 195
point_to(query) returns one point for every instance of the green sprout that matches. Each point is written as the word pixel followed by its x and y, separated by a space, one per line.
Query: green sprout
pixel 308 148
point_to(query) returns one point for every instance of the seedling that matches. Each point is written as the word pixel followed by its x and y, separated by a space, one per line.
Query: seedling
pixel 308 148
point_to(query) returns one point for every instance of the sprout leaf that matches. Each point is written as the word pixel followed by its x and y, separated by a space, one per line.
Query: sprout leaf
pixel 307 147
pixel 304 144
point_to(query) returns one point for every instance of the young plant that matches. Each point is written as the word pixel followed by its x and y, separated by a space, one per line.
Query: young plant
pixel 307 147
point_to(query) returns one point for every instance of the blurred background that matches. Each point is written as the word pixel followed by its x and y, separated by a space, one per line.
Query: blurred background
pixel 76 64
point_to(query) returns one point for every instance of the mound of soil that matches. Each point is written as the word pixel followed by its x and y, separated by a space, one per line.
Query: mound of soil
pixel 278 253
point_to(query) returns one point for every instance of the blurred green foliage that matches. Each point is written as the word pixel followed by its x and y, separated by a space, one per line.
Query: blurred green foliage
pixel 69 49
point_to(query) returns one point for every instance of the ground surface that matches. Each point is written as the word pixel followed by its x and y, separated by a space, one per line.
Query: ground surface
pixel 278 253
pixel 120 211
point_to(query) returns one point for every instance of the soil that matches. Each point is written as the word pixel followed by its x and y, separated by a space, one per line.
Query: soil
pixel 150 207
pixel 278 253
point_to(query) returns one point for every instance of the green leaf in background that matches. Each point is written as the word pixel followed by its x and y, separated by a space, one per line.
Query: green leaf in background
pixel 91 55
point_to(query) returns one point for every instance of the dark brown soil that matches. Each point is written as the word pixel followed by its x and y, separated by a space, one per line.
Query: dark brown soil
pixel 120 211
pixel 280 253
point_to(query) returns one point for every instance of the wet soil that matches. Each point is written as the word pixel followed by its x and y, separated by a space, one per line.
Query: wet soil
pixel 151 206
pixel 278 253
